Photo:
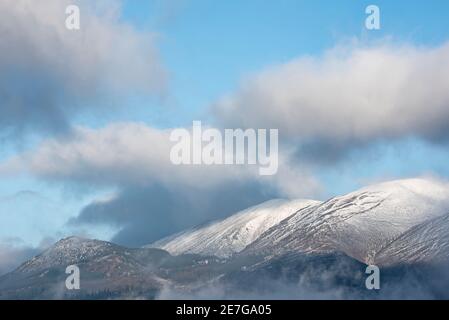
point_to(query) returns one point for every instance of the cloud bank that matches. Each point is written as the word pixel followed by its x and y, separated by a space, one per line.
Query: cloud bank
pixel 49 74
pixel 154 197
pixel 350 97
pixel 13 252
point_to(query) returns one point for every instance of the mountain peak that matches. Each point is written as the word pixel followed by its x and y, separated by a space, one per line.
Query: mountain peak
pixel 69 251
pixel 74 240
pixel 386 224
pixel 421 186
pixel 231 235
pixel 360 223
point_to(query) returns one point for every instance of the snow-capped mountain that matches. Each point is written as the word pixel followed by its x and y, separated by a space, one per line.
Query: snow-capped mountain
pixel 301 246
pixel 375 225
pixel 107 271
pixel 367 224
pixel 233 234
pixel 426 242
pixel 76 250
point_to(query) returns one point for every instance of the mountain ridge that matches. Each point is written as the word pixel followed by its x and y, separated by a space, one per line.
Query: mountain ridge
pixel 361 222
pixel 226 237
pixel 399 225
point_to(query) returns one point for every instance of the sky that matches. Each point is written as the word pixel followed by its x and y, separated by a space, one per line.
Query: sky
pixel 87 113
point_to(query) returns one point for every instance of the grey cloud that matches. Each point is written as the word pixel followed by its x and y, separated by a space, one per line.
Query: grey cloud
pixel 49 74
pixel 13 252
pixel 133 154
pixel 157 198
pixel 348 98
pixel 146 214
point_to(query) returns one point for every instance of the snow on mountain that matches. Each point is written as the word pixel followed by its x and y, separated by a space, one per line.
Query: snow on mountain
pixel 226 237
pixel 69 251
pixel 427 242
pixel 388 224
pixel 107 271
pixel 362 223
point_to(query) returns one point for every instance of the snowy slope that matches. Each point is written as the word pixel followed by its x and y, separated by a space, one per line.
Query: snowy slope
pixel 361 223
pixel 108 271
pixel 388 224
pixel 226 237
pixel 427 242
pixel 72 250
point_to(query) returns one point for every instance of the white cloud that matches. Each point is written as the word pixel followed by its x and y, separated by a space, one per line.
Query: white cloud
pixel 49 73
pixel 136 154
pixel 154 198
pixel 351 94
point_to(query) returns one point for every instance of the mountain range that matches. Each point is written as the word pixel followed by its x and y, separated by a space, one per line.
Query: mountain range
pixel 278 249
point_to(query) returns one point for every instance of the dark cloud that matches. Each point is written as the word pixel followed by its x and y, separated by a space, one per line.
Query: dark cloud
pixel 49 74
pixel 146 214
pixel 321 152
pixel 14 252
pixel 157 198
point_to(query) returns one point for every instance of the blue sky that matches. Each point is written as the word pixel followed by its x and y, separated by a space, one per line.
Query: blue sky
pixel 222 41
pixel 208 48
